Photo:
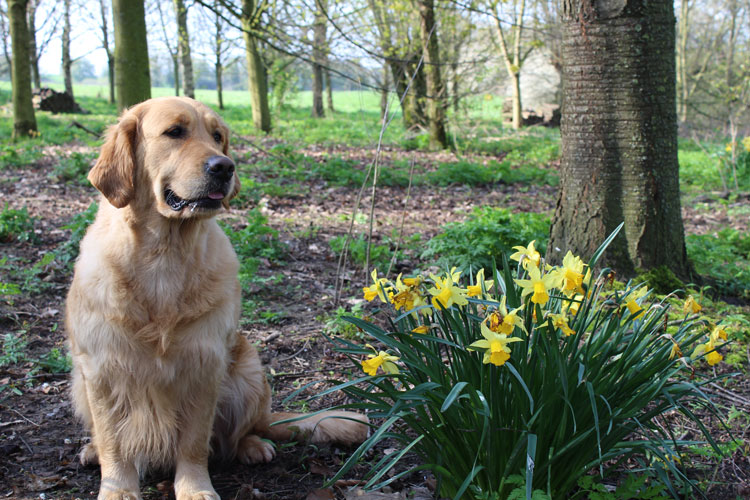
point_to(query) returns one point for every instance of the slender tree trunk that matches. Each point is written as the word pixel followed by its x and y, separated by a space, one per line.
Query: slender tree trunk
pixel 110 54
pixel 454 75
pixel 4 33
pixel 619 136
pixel 218 65
pixel 411 88
pixel 513 61
pixel 384 95
pixel 24 121
pixel 318 53
pixel 329 89
pixel 184 43
pixel 66 62
pixel 435 88
pixel 255 71
pixel 176 73
pixel 34 57
pixel 682 83
pixel 132 78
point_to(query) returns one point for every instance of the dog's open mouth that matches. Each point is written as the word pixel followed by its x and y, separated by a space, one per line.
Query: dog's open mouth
pixel 212 201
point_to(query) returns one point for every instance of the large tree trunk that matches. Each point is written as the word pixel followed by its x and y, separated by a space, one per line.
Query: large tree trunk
pixel 682 83
pixel 619 136
pixel 34 57
pixel 66 62
pixel 24 121
pixel 411 88
pixel 132 78
pixel 110 55
pixel 318 53
pixel 188 85
pixel 435 89
pixel 255 72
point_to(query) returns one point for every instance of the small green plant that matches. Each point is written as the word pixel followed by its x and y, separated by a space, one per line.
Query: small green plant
pixel 724 258
pixel 633 488
pixel 338 325
pixel 16 224
pixel 67 253
pixel 14 349
pixel 661 279
pixel 544 371
pixel 13 155
pixel 380 255
pixel 485 235
pixel 55 361
pixel 73 168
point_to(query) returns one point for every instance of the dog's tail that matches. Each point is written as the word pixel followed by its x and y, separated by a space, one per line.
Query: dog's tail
pixel 339 427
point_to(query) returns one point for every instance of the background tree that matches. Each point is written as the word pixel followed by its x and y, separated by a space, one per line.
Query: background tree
pixel 34 58
pixel 104 28
pixel 256 72
pixel 619 136
pixel 132 78
pixel 435 88
pixel 5 36
pixel 319 60
pixel 172 49
pixel 188 86
pixel 24 121
pixel 66 61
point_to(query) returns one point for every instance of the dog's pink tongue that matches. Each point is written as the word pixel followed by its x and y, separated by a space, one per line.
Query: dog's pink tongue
pixel 216 196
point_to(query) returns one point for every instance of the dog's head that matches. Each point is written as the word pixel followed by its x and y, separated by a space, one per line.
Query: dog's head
pixel 170 153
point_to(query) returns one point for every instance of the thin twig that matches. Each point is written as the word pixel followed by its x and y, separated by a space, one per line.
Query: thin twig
pixel 403 219
pixel 85 129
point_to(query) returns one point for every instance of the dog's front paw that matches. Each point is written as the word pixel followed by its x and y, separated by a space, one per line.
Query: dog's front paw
pixel 119 495
pixel 254 450
pixel 88 455
pixel 200 495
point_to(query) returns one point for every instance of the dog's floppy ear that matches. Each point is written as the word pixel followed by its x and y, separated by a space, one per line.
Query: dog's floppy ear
pixel 114 170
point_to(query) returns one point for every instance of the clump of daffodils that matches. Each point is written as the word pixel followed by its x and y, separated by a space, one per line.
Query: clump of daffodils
pixel 569 283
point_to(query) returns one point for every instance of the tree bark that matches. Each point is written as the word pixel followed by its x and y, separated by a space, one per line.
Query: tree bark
pixel 329 89
pixel 318 53
pixel 435 88
pixel 34 57
pixel 132 78
pixel 384 95
pixel 218 63
pixel 619 136
pixel 24 121
pixel 255 72
pixel 66 62
pixel 188 85
pixel 682 83
pixel 110 54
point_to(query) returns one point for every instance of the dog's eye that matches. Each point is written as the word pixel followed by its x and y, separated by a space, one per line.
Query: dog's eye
pixel 175 132
pixel 217 137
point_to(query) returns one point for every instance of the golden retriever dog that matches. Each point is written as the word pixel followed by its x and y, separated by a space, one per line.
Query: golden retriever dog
pixel 161 375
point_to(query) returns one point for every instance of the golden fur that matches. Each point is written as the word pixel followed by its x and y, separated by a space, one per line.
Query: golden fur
pixel 160 374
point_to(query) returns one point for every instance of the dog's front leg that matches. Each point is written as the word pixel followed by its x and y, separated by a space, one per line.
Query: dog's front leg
pixel 191 475
pixel 119 476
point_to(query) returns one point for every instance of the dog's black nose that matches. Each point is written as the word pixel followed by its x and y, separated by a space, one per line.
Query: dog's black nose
pixel 220 167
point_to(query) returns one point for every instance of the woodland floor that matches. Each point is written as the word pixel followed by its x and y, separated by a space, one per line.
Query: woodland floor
pixel 40 438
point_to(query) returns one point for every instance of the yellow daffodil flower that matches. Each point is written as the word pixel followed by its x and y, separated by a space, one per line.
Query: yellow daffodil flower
pixel 675 352
pixel 496 347
pixel 718 333
pixel 476 289
pixel 560 321
pixel 421 329
pixel 537 285
pixel 572 306
pixel 445 292
pixel 691 306
pixel 633 306
pixel 527 255
pixel 379 360
pixel 502 321
pixel 377 289
pixel 713 358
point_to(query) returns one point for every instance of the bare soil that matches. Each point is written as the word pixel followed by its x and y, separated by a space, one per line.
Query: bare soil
pixel 40 437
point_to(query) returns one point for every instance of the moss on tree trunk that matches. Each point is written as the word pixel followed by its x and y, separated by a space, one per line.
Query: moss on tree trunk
pixel 619 135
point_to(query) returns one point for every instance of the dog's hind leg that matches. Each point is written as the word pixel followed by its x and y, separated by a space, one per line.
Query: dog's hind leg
pixel 244 415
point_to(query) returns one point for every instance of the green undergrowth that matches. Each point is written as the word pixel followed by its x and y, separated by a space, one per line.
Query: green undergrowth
pixel 484 236
pixel 16 225
pixel 724 259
